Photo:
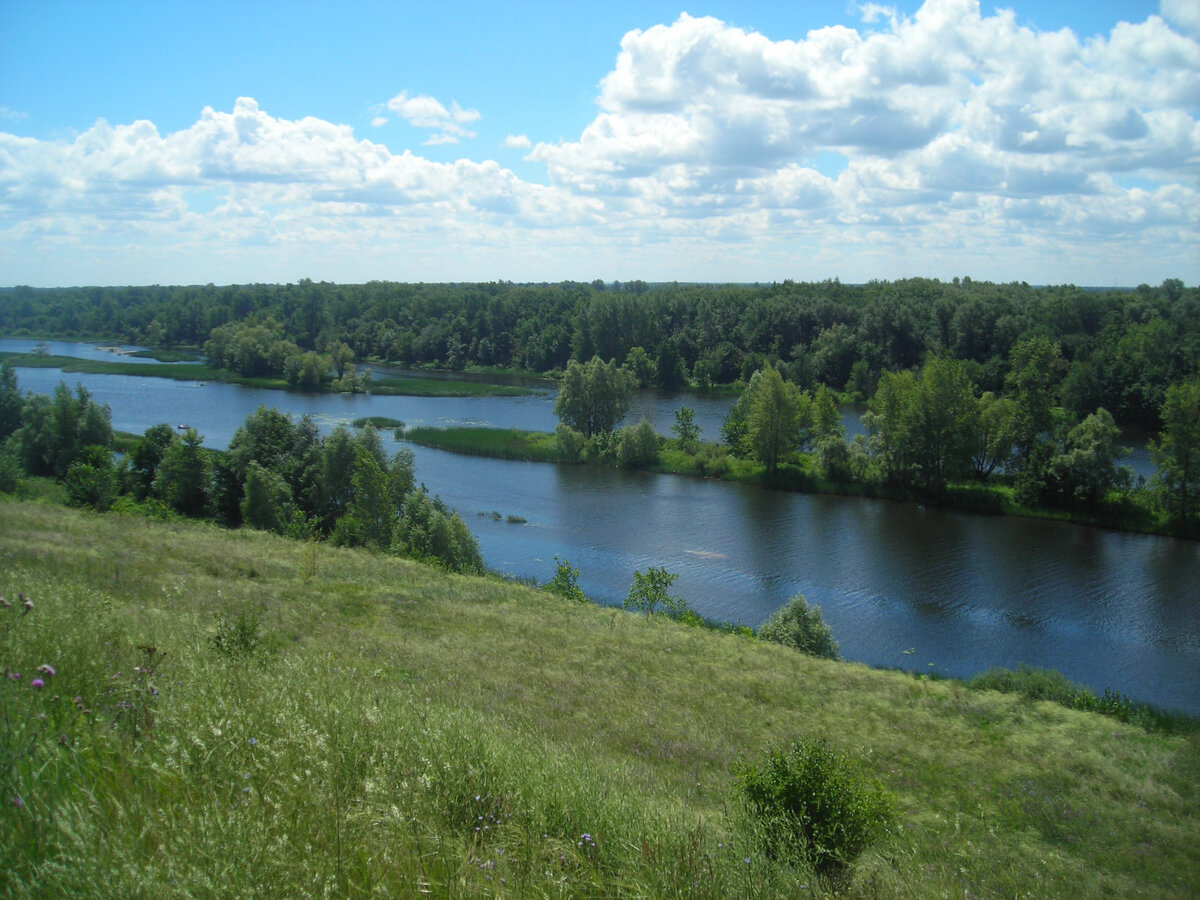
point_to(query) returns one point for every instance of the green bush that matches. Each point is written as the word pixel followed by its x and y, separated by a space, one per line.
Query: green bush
pixel 565 582
pixel 810 803
pixel 801 626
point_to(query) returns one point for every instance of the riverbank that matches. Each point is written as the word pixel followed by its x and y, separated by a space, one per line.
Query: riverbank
pixel 200 372
pixel 1126 512
pixel 291 713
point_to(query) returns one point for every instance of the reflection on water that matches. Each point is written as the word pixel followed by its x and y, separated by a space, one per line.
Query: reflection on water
pixel 901 585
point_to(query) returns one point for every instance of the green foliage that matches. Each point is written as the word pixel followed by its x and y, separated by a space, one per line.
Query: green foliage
pixel 1177 452
pixel 592 398
pixel 638 445
pixel 651 592
pixel 812 804
pixel 565 582
pixel 10 471
pixel 10 401
pixel 431 531
pixel 183 475
pixel 55 429
pixel 685 429
pixel 774 418
pixel 238 634
pixel 91 480
pixel 799 625
pixel 1037 684
pixel 267 504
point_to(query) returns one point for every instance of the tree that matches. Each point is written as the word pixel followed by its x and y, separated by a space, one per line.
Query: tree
pixel 639 364
pixel 431 531
pixel 652 590
pixel 593 398
pixel 373 509
pixel 10 401
pixel 994 435
pixel 943 421
pixel 638 446
pixel 146 456
pixel 182 479
pixel 565 582
pixel 773 421
pixel 685 429
pixel 1085 469
pixel 91 480
pixel 1176 453
pixel 267 503
pixel 1034 370
pixel 55 429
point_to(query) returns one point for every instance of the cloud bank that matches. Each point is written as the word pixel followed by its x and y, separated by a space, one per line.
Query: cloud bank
pixel 948 142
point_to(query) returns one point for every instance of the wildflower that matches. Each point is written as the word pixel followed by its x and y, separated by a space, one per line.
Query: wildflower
pixel 14 676
pixel 18 802
pixel 37 683
pixel 252 741
pixel 48 671
pixel 28 604
pixel 62 739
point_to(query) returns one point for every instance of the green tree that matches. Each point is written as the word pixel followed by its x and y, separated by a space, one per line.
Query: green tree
pixel 91 480
pixel 10 401
pixel 1035 368
pixel 1176 452
pixel 639 364
pixel 267 502
pixel 565 582
pixel 652 590
pixel 183 475
pixel 146 455
pixel 685 429
pixel 593 398
pixel 432 532
pixel 55 429
pixel 371 515
pixel 1085 469
pixel 774 418
pixel 994 435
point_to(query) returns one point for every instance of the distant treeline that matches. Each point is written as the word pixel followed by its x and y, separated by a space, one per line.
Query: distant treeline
pixel 1120 349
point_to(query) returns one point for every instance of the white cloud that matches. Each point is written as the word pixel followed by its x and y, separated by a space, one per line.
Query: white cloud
pixel 1184 13
pixel 379 121
pixel 12 114
pixel 969 144
pixel 427 112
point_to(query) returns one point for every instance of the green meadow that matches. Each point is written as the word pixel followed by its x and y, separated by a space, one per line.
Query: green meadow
pixel 240 715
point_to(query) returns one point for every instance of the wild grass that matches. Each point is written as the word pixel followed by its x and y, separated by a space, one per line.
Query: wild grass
pixel 378 712
pixel 502 443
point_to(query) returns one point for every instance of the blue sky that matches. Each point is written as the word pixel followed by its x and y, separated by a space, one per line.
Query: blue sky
pixel 181 142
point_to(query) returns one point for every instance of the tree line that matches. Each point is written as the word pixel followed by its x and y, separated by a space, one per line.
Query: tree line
pixel 928 428
pixel 279 474
pixel 1118 349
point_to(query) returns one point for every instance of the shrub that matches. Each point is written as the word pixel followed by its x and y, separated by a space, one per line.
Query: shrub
pixel 652 590
pixel 565 582
pixel 799 625
pixel 811 803
pixel 638 446
pixel 570 443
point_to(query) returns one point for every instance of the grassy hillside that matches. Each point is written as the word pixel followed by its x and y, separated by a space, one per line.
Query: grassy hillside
pixel 233 714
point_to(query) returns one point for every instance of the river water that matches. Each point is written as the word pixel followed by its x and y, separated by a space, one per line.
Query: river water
pixel 900 585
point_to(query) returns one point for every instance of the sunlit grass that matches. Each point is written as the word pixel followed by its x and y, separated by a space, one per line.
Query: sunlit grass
pixel 397 709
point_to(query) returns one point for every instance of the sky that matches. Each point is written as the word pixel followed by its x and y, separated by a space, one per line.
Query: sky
pixel 189 143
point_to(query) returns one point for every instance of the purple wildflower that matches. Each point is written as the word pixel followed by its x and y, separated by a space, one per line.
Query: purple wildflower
pixel 37 683
pixel 48 671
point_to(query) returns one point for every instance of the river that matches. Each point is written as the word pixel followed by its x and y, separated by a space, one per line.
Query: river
pixel 900 585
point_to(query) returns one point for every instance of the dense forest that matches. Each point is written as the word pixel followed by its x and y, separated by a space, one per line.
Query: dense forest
pixel 1118 349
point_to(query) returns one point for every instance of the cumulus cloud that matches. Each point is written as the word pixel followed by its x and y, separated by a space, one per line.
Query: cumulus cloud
pixel 427 112
pixel 1184 13
pixel 962 140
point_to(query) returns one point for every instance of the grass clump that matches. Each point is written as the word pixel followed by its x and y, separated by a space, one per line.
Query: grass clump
pixel 814 804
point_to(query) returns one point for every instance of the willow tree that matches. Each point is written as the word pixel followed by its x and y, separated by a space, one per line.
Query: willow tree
pixel 593 398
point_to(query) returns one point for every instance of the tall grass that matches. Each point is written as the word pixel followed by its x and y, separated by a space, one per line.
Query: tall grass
pixel 379 712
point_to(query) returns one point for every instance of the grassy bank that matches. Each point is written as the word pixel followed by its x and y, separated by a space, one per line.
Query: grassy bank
pixel 398 386
pixel 236 714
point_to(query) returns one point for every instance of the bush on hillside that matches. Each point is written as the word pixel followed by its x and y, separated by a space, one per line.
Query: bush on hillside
pixel 810 803
pixel 799 625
